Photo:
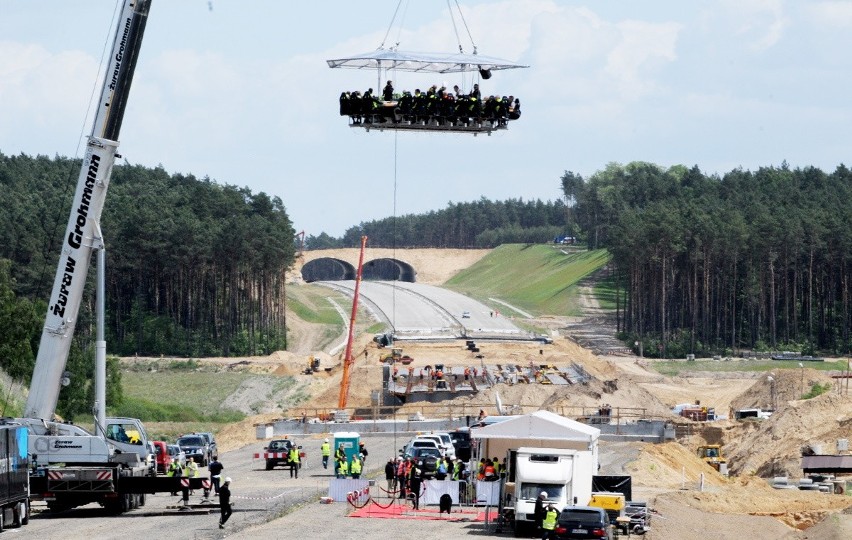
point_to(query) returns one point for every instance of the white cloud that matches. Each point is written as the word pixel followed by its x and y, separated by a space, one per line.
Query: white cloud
pixel 760 23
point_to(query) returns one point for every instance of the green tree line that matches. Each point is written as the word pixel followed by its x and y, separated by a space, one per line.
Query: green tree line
pixel 194 267
pixel 717 263
pixel 479 224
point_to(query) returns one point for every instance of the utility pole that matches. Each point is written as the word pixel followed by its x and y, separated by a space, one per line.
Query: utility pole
pixel 802 370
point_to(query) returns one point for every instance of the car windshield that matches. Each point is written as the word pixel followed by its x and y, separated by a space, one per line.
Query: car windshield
pixel 581 517
pixel 425 452
pixel 424 444
pixel 531 491
pixel 460 438
pixel 279 445
pixel 190 441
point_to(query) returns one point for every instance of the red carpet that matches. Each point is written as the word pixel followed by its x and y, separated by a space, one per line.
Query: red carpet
pixel 397 511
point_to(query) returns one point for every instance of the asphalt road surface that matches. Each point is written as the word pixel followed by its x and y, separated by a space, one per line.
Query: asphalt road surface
pixel 419 310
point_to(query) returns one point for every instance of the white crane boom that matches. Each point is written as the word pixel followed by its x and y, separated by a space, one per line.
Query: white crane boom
pixel 82 233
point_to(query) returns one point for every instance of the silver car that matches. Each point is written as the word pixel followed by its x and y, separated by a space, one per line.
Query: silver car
pixel 177 454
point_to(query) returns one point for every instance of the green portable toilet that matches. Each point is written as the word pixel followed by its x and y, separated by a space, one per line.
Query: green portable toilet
pixel 349 440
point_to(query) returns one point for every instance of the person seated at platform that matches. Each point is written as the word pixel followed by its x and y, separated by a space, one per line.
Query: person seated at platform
pixel 387 93
pixel 514 108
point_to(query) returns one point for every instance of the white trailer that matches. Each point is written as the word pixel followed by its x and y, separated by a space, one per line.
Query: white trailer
pixel 565 475
pixel 544 452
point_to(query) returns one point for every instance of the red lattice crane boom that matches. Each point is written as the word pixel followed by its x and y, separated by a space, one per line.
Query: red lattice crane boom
pixel 347 358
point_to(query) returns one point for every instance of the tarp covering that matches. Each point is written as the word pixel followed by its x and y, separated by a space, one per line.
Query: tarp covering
pixel 540 425
pixel 827 463
pixel 614 484
pixel 422 62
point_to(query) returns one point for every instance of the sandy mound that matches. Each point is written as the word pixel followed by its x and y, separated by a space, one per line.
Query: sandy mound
pixel 669 465
pixel 772 447
pixel 789 385
pixel 754 496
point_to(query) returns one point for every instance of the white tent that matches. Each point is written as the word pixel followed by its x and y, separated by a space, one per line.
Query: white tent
pixel 541 429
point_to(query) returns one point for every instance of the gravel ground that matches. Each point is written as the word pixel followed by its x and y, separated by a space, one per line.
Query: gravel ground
pixel 269 504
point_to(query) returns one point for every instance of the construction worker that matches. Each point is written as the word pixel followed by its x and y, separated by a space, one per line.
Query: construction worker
pixel 441 473
pixel 548 525
pixel 363 451
pixel 539 509
pixel 340 454
pixel 342 468
pixel 175 470
pixel 225 502
pixel 191 469
pixel 355 467
pixel 215 469
pixel 326 452
pixel 295 462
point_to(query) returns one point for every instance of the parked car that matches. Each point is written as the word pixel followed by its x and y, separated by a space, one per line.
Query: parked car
pixel 283 447
pixel 212 450
pixel 195 446
pixel 465 314
pixel 427 460
pixel 445 444
pixel 176 454
pixel 414 444
pixel 583 522
pixel 163 458
pixel 461 443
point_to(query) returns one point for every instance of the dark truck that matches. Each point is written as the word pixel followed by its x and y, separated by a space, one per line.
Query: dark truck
pixel 278 453
pixel 14 475
pixel 196 447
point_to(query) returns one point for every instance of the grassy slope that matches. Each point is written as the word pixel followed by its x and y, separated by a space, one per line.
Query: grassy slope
pixel 674 368
pixel 538 278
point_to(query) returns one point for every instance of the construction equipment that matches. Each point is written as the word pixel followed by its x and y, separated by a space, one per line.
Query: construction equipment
pixel 69 466
pixel 712 455
pixel 395 355
pixel 340 415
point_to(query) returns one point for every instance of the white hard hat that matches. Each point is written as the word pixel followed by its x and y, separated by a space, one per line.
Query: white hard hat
pixel 227 479
pixel 543 494
pixel 326 440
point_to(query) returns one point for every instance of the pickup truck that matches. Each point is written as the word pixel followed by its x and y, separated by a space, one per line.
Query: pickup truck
pixel 195 446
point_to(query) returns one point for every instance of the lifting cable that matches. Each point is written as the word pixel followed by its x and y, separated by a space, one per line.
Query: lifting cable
pixel 398 4
pixel 455 29
pixel 461 15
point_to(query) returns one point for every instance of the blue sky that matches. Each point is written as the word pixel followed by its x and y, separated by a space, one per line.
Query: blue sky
pixel 241 93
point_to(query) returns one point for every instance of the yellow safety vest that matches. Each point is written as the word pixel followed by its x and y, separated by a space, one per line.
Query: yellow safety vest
pixel 326 449
pixel 343 468
pixel 355 467
pixel 191 470
pixel 294 455
pixel 549 522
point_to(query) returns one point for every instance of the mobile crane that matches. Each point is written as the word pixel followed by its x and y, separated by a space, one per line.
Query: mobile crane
pixel 69 466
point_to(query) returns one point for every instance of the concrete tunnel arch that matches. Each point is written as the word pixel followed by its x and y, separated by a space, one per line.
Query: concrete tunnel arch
pixel 383 269
pixel 388 269
pixel 327 269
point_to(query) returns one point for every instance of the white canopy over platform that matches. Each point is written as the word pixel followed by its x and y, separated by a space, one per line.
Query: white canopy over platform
pixel 422 62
